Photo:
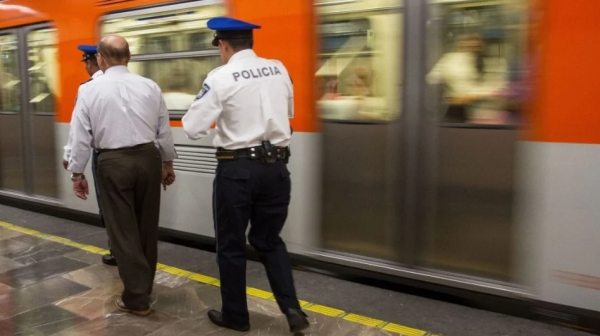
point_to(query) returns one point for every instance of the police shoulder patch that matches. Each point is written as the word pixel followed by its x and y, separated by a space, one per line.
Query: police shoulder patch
pixel 203 92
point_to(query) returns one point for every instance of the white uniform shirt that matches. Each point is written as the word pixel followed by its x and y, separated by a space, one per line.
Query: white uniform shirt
pixel 250 98
pixel 67 148
pixel 116 110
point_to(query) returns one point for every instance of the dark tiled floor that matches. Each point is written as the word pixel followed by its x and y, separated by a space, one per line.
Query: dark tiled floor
pixel 45 320
pixel 38 253
pixel 33 273
pixel 47 288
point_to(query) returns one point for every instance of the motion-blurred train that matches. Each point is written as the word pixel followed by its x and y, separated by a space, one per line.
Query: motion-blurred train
pixel 449 143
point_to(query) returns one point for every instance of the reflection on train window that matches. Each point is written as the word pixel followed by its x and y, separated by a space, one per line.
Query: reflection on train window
pixel 474 55
pixel 167 31
pixel 43 79
pixel 10 88
pixel 359 67
pixel 179 79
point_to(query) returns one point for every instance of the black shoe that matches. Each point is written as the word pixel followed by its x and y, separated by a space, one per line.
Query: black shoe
pixel 124 308
pixel 297 320
pixel 217 318
pixel 108 259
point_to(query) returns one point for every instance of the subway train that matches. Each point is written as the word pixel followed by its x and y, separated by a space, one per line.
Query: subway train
pixel 448 144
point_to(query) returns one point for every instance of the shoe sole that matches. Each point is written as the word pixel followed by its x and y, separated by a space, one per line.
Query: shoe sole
pixel 222 325
pixel 113 262
pixel 134 312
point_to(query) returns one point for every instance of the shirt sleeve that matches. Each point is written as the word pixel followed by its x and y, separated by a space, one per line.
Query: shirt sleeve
pixel 69 145
pixel 291 100
pixel 205 109
pixel 164 136
pixel 81 130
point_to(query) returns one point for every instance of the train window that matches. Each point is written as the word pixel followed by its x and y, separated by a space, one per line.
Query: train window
pixel 359 66
pixel 180 79
pixel 10 88
pixel 175 30
pixel 43 79
pixel 172 46
pixel 474 61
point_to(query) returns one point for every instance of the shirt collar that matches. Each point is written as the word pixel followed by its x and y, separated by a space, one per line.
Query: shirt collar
pixel 242 54
pixel 97 73
pixel 117 69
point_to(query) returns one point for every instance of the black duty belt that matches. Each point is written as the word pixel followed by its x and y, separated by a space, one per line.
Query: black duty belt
pixel 266 153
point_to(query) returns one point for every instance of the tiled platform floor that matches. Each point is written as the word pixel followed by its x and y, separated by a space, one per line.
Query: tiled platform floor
pixel 47 288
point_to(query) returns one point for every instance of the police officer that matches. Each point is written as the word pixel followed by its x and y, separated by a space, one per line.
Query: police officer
pixel 251 100
pixel 91 67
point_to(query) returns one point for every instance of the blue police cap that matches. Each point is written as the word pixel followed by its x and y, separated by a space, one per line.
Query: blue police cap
pixel 230 29
pixel 89 51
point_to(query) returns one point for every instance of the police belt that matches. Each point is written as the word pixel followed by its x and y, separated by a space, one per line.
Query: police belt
pixel 254 153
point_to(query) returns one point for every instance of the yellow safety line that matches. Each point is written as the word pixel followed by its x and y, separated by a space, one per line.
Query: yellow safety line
pixel 254 292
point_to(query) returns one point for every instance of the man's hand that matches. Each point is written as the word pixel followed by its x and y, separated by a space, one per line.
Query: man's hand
pixel 81 189
pixel 168 174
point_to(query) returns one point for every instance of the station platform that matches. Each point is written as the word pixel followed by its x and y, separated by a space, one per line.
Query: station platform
pixel 52 282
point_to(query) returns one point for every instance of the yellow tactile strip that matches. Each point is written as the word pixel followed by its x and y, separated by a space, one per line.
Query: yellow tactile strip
pixel 254 292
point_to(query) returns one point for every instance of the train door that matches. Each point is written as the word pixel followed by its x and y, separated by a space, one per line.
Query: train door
pixel 359 74
pixel 28 91
pixel 420 103
pixel 468 135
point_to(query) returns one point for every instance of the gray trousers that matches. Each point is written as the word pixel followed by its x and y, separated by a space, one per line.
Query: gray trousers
pixel 129 181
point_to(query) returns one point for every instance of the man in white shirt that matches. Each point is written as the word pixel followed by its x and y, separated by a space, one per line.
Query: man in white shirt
pixel 122 115
pixel 92 68
pixel 251 100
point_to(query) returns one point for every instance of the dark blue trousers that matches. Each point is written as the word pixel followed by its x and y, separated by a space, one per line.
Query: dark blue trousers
pixel 246 191
pixel 95 175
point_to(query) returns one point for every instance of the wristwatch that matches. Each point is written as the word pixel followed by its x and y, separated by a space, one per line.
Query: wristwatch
pixel 78 177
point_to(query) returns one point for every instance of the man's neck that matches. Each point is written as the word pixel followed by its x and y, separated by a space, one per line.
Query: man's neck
pixel 119 68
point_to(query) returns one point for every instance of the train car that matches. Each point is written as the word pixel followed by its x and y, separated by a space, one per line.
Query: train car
pixel 448 143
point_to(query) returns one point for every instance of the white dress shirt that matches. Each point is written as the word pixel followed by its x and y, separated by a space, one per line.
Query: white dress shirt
pixel 119 109
pixel 69 145
pixel 250 98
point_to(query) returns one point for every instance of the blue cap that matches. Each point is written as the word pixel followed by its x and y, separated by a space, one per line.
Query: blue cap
pixel 89 51
pixel 230 29
pixel 225 23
